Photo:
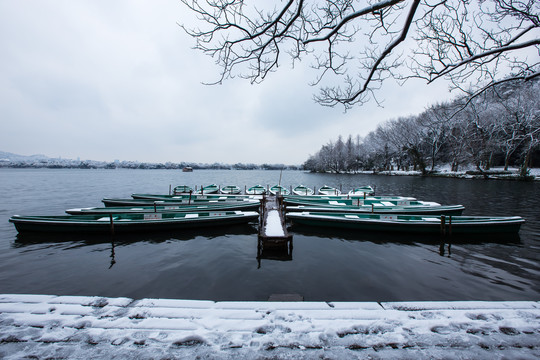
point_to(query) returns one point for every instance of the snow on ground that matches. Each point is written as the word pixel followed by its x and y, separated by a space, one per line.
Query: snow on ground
pixel 444 170
pixel 42 326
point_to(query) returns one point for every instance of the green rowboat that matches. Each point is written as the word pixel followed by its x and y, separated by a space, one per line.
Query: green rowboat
pixel 208 189
pixel 365 209
pixel 161 207
pixel 411 223
pixel 302 190
pixel 358 202
pixel 279 190
pixel 256 190
pixel 230 190
pixel 362 191
pixel 179 201
pixel 182 189
pixel 197 196
pixel 341 197
pixel 328 190
pixel 129 222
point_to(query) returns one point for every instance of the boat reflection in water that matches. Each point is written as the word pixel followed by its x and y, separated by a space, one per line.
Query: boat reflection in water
pixel 444 242
pixel 75 240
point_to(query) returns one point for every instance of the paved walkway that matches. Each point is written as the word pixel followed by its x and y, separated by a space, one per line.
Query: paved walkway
pixel 42 326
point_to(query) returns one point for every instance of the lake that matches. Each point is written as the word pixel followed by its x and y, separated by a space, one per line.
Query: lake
pixel 222 263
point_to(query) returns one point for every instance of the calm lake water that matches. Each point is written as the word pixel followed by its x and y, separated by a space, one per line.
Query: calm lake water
pixel 221 263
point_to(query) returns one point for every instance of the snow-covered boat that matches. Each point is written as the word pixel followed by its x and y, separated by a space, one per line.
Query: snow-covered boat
pixel 129 222
pixel 328 190
pixel 230 190
pixel 340 202
pixel 410 223
pixel 198 196
pixel 256 190
pixel 279 190
pixel 182 189
pixel 302 190
pixel 208 189
pixel 362 191
pixel 346 196
pixel 195 200
pixel 381 209
pixel 163 207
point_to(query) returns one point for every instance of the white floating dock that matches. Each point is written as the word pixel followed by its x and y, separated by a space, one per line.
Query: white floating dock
pixel 77 327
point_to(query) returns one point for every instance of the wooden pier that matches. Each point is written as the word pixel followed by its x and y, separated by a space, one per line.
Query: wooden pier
pixel 272 229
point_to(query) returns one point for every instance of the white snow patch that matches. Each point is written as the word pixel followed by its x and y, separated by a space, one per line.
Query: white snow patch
pixel 273 224
pixel 43 326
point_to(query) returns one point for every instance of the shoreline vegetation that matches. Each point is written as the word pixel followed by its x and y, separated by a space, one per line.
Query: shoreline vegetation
pixel 495 174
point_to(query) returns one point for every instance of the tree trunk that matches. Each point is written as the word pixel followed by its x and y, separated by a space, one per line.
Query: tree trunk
pixel 524 170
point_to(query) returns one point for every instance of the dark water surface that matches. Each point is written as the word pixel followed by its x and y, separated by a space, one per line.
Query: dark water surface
pixel 222 264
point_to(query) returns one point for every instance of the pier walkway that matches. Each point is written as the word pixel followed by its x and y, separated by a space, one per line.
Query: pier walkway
pixel 79 327
pixel 272 227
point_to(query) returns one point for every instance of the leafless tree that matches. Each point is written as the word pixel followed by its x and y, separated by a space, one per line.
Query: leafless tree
pixel 356 45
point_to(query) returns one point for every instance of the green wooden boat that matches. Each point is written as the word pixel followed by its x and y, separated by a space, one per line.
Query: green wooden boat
pixel 362 191
pixel 230 190
pixel 129 222
pixel 256 190
pixel 347 196
pixel 302 190
pixel 279 190
pixel 378 209
pixel 454 225
pixel 208 189
pixel 161 207
pixel 178 201
pixel 328 190
pixel 193 196
pixel 322 202
pixel 182 189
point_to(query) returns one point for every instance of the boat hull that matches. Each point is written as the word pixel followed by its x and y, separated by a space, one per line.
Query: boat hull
pixel 410 210
pixel 303 191
pixel 328 190
pixel 279 190
pixel 124 223
pixel 254 206
pixel 180 201
pixel 459 225
pixel 256 190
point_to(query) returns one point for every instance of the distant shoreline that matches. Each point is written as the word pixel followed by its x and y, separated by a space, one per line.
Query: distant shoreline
pixel 534 174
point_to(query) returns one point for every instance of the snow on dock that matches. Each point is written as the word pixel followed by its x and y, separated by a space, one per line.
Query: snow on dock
pixel 272 228
pixel 43 326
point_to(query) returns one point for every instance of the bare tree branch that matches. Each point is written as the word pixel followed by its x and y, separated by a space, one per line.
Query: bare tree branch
pixel 471 44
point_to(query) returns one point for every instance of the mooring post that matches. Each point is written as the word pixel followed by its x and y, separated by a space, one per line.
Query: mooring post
pixel 169 189
pixel 155 207
pixel 450 225
pixel 112 223
pixel 443 225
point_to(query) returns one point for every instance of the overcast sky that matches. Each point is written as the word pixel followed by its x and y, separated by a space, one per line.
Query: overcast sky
pixel 106 80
